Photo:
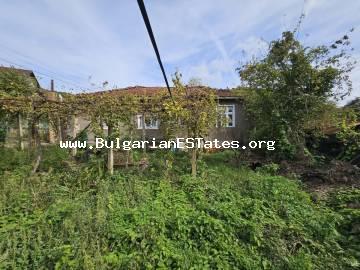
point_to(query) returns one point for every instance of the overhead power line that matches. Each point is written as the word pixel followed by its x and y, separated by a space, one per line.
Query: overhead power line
pixel 44 74
pixel 48 71
pixel 152 38
pixel 29 60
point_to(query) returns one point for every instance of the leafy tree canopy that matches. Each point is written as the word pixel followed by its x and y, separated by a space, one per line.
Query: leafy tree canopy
pixel 14 83
pixel 290 86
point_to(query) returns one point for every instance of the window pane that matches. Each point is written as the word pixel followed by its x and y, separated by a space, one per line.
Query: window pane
pixel 139 121
pixel 230 120
pixel 228 112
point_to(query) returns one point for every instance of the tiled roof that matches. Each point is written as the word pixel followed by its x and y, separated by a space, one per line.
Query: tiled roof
pixel 153 90
pixel 24 71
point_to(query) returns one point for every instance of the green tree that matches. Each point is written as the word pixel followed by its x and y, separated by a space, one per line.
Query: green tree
pixel 17 92
pixel 194 109
pixel 349 136
pixel 116 112
pixel 290 84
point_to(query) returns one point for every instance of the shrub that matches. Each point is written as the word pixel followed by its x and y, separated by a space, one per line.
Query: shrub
pixel 271 168
pixel 346 203
pixel 54 157
pixel 12 159
pixel 227 219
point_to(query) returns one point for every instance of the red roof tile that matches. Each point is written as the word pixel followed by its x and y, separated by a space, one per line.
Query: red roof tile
pixel 153 90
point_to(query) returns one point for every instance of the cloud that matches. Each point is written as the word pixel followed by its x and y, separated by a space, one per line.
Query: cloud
pixel 251 47
pixel 71 40
pixel 355 78
pixel 213 73
pixel 311 5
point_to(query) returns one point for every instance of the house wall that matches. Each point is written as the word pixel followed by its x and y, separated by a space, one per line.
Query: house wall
pixel 238 132
pixel 12 137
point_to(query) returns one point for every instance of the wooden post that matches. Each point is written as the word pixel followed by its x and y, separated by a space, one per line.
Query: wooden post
pixel 58 120
pixel 59 129
pixel 37 144
pixel 193 161
pixel 34 137
pixel 73 133
pixel 129 151
pixel 20 131
pixel 143 131
pixel 110 163
pixel 51 129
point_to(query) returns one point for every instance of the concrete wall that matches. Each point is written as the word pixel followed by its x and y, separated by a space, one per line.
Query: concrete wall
pixel 238 132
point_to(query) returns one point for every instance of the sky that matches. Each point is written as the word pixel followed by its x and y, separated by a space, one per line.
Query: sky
pixel 83 43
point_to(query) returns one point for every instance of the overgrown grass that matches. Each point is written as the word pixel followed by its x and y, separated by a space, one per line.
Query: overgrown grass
pixel 228 218
pixel 347 203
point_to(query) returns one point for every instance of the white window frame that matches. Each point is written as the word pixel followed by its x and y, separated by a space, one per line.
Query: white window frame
pixel 227 113
pixel 154 123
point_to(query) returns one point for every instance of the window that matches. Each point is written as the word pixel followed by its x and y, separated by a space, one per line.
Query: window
pixel 150 123
pixel 229 115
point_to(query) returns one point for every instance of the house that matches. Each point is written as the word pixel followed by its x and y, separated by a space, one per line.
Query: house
pixel 25 72
pixel 232 106
pixel 12 128
pixel 231 103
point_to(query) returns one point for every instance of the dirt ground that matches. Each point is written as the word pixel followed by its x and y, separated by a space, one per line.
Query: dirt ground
pixel 319 179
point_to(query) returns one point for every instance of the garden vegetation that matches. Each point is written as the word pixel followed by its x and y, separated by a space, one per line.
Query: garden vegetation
pixel 68 217
pixel 181 210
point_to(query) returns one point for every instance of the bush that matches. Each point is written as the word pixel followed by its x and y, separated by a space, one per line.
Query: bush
pixel 346 203
pixel 12 159
pixel 271 169
pixel 54 157
pixel 227 219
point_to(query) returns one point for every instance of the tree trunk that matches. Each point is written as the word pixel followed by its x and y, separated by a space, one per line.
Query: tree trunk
pixel 34 137
pixel 143 131
pixel 37 145
pixel 73 134
pixel 20 131
pixel 59 129
pixel 193 161
pixel 300 148
pixel 127 159
pixel 128 153
pixel 36 163
pixel 110 161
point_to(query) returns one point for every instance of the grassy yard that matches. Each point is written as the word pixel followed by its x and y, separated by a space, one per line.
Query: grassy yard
pixel 75 216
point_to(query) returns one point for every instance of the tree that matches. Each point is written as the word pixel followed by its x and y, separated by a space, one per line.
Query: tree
pixel 349 134
pixel 192 108
pixel 116 112
pixel 289 85
pixel 16 85
pixel 195 81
